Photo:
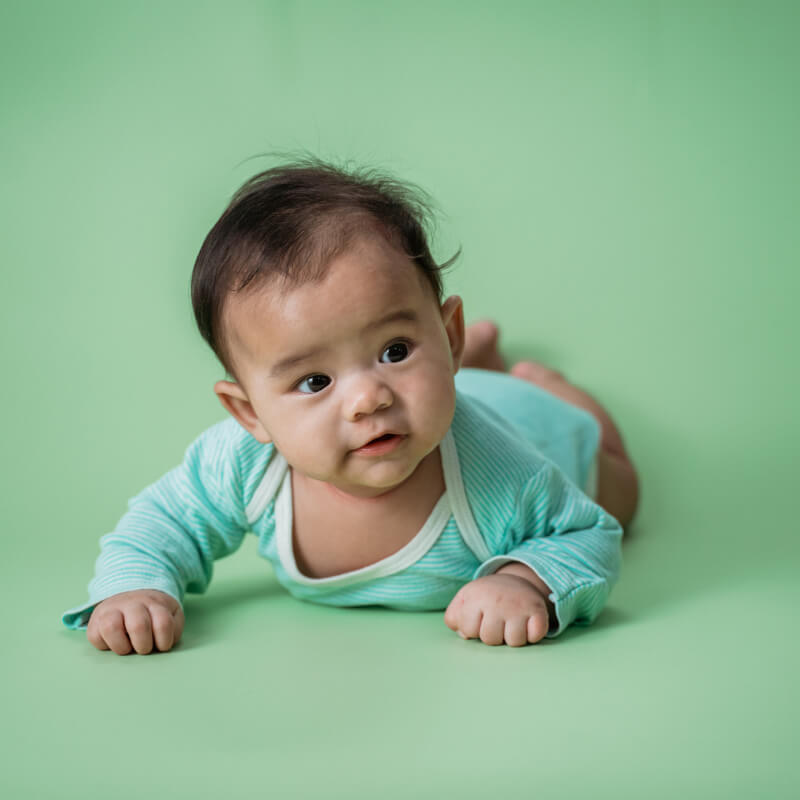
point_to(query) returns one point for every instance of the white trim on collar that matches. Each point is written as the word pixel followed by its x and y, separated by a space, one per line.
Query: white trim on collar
pixel 458 499
pixel 266 489
pixel 405 557
pixel 277 480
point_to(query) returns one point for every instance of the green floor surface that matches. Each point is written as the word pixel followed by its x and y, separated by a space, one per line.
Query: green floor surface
pixel 622 178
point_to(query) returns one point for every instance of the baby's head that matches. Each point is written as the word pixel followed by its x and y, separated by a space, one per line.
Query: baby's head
pixel 318 293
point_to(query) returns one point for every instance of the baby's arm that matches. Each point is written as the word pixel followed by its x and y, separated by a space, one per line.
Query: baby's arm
pixel 554 566
pixel 164 546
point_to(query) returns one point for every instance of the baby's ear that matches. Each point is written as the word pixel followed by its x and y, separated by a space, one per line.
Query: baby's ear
pixel 453 320
pixel 235 402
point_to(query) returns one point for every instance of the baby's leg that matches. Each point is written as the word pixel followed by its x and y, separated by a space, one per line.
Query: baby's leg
pixel 617 482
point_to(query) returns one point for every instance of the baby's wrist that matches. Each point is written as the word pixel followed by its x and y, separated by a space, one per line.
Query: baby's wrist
pixel 524 571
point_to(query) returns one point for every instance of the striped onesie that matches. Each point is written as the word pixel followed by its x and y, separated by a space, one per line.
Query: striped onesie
pixel 513 460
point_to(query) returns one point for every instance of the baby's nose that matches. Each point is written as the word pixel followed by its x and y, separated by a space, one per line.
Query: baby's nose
pixel 368 395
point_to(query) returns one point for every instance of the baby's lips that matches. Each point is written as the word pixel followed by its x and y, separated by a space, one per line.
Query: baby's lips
pixel 377 438
pixel 380 444
pixel 382 437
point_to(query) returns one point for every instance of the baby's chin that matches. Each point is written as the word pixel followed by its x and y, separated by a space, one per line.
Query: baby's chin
pixel 382 480
pixel 371 487
pixel 375 488
pixel 358 492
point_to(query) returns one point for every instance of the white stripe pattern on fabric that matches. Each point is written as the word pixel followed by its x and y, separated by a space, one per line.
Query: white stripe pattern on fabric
pixel 591 479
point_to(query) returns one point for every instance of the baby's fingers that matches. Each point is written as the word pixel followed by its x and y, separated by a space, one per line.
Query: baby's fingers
pixel 516 631
pixel 463 618
pixel 451 616
pixel 459 617
pixel 93 634
pixel 470 621
pixel 140 628
pixel 538 625
pixel 492 629
pixel 109 632
pixel 167 626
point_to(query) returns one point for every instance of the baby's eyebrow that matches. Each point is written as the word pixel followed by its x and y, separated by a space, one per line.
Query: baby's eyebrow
pixel 285 364
pixel 288 363
pixel 402 315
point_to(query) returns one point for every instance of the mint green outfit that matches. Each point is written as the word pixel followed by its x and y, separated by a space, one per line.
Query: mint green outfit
pixel 513 461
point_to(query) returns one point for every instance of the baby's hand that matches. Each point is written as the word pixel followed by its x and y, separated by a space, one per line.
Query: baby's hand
pixel 499 608
pixel 136 620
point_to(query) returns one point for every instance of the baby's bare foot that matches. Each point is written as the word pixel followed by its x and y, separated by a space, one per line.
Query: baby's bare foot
pixel 480 347
pixel 534 372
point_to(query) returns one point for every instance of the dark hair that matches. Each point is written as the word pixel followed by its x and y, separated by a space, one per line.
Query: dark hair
pixel 291 221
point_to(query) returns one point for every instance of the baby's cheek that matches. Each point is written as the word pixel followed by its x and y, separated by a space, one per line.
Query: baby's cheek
pixel 441 402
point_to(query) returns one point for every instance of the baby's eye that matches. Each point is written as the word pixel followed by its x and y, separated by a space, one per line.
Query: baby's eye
pixel 395 352
pixel 313 384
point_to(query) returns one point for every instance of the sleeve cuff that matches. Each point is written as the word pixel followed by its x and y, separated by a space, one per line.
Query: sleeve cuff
pixel 77 619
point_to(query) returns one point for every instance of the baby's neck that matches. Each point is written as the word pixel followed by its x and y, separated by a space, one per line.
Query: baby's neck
pixel 334 532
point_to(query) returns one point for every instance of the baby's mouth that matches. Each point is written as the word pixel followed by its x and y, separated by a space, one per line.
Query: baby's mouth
pixel 384 438
pixel 381 444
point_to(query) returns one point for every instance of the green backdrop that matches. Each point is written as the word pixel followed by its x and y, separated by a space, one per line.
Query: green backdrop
pixel 622 178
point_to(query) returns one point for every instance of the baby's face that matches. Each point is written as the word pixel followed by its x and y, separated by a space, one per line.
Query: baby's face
pixel 350 377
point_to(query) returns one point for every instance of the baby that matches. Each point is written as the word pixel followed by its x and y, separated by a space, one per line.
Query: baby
pixel 370 471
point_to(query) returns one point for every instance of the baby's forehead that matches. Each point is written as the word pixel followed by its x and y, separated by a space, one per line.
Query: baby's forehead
pixel 367 280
